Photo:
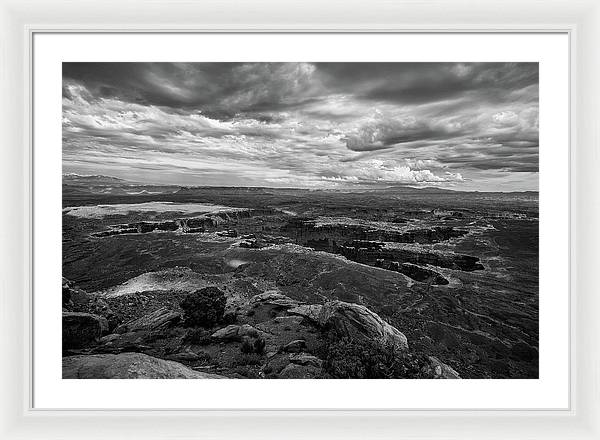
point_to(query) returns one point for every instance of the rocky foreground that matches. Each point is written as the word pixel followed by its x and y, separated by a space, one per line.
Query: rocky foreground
pixel 266 335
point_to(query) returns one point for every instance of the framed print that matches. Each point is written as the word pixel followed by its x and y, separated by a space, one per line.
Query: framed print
pixel 316 222
pixel 360 224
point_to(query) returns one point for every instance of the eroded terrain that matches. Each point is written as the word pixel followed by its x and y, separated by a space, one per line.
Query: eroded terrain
pixel 455 273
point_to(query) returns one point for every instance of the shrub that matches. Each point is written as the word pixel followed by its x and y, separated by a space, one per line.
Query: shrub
pixel 248 359
pixel 254 345
pixel 350 359
pixel 229 318
pixel 197 336
pixel 204 307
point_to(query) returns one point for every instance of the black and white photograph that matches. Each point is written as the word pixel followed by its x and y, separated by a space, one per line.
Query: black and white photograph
pixel 298 220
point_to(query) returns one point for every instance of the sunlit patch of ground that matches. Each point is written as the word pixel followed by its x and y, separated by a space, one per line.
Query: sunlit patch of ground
pixel 100 211
pixel 178 278
pixel 235 263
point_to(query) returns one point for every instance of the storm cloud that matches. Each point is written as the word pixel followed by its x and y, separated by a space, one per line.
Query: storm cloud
pixel 470 126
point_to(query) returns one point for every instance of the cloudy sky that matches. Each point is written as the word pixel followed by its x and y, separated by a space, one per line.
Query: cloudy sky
pixel 465 126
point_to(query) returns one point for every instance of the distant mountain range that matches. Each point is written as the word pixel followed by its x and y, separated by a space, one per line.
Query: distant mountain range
pixel 114 185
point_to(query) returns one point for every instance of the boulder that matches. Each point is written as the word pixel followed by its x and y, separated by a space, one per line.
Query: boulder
pixel 357 322
pixel 295 371
pixel 109 338
pixel 275 299
pixel 308 311
pixel 127 366
pixel 80 329
pixel 305 359
pixel 439 370
pixel 275 363
pixel 295 346
pixel 235 332
pixel 159 319
pixel 227 333
pixel 248 330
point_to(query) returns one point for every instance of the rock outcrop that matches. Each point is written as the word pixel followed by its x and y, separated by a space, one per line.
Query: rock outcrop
pixel 354 321
pixel 297 371
pixel 274 298
pixel 188 225
pixel 341 230
pixel 127 366
pixel 159 319
pixel 235 332
pixel 81 329
pixel 413 271
pixel 310 312
pixel 439 370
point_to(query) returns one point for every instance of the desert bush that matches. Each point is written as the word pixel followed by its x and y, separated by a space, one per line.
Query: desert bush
pixel 204 307
pixel 197 336
pixel 350 359
pixel 229 318
pixel 248 359
pixel 253 345
pixel 247 371
pixel 204 357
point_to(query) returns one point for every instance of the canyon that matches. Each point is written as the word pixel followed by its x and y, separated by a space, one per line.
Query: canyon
pixel 455 273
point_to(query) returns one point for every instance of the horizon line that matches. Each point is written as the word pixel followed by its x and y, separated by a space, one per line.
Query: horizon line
pixel 300 188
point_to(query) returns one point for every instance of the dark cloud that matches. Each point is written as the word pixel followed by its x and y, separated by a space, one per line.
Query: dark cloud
pixel 219 89
pixel 411 83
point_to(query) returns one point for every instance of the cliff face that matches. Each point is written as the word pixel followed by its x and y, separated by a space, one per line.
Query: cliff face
pixel 185 225
pixel 306 230
pixel 365 244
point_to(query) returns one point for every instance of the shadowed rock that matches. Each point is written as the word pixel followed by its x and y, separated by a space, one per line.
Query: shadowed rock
pixel 159 319
pixel 226 333
pixel 127 366
pixel 422 274
pixel 80 329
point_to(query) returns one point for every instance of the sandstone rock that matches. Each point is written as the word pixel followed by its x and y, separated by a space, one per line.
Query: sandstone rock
pixel 248 330
pixel 235 332
pixel 185 356
pixel 125 342
pixel 439 370
pixel 159 319
pixel 275 299
pixel 357 322
pixel 109 338
pixel 305 359
pixel 66 295
pixel 80 329
pixel 295 371
pixel 310 312
pixel 295 346
pixel 227 333
pixel 127 366
pixel 276 363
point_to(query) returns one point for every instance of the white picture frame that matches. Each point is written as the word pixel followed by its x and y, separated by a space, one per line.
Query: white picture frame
pixel 20 20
